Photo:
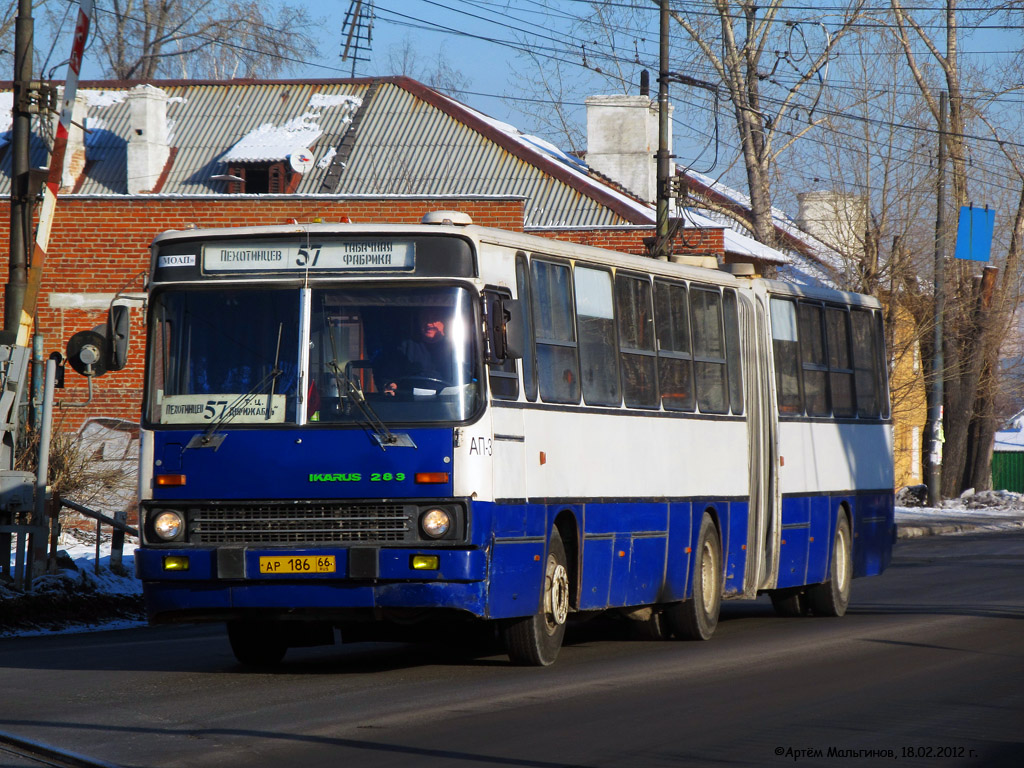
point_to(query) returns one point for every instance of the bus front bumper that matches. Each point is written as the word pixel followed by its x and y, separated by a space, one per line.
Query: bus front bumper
pixel 210 582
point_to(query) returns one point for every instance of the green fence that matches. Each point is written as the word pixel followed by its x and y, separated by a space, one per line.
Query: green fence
pixel 1008 471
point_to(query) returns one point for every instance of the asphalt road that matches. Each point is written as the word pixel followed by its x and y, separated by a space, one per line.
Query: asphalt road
pixel 927 668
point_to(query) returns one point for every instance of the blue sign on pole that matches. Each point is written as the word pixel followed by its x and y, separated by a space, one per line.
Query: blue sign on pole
pixel 974 233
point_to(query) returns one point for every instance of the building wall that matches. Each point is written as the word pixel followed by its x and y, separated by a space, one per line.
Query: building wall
pixel 909 398
pixel 631 239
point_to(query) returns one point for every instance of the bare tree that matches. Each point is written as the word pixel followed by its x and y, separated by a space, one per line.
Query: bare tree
pixel 599 45
pixel 8 15
pixel 8 11
pixel 437 72
pixel 978 310
pixel 769 70
pixel 146 39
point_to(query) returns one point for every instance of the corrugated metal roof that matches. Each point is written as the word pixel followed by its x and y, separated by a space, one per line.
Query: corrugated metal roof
pixel 410 141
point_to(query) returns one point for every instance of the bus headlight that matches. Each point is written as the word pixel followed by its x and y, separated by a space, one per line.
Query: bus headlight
pixel 167 525
pixel 435 523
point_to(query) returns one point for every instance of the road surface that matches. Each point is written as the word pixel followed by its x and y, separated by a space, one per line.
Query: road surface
pixel 927 668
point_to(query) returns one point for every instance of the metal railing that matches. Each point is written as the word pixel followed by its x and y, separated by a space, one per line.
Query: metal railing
pixel 119 525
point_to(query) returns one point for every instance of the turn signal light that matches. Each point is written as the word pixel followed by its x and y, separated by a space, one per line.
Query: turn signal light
pixel 175 563
pixel 432 477
pixel 425 562
pixel 170 480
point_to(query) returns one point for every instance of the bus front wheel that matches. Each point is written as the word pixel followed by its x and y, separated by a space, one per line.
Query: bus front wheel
pixel 534 641
pixel 832 597
pixel 257 644
pixel 696 618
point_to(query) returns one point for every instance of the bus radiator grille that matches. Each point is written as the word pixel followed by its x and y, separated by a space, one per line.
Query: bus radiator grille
pixel 288 524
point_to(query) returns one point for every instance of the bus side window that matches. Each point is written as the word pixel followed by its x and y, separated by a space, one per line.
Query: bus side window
pixel 503 377
pixel 786 351
pixel 636 341
pixel 840 367
pixel 529 353
pixel 865 361
pixel 708 350
pixel 812 352
pixel 595 316
pixel 557 366
pixel 675 365
pixel 732 350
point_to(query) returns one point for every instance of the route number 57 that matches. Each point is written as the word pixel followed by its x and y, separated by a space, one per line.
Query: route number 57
pixel 308 256
pixel 210 411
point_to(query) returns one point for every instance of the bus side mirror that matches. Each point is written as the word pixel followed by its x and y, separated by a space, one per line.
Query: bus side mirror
pixel 508 329
pixel 118 332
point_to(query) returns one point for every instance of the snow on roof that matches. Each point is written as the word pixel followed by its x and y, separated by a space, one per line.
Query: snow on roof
pixel 102 99
pixel 735 242
pixel 574 165
pixel 1009 441
pixel 322 100
pixel 6 116
pixel 276 142
pixel 831 262
pixel 1012 437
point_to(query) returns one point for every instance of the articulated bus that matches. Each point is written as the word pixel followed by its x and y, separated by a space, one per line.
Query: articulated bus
pixel 356 429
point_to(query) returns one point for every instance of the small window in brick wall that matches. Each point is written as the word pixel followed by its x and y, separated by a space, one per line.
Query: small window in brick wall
pixel 263 178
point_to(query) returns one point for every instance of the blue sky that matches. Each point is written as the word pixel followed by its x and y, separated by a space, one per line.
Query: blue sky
pixel 490 67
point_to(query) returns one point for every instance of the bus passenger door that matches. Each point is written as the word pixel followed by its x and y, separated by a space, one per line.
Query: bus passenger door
pixel 762 445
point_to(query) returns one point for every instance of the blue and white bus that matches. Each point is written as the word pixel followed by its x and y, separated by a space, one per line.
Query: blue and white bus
pixel 585 431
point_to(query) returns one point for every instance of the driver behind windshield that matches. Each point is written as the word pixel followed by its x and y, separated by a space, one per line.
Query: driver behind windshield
pixel 424 362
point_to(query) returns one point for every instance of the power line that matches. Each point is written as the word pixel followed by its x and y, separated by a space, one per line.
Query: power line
pixel 600 52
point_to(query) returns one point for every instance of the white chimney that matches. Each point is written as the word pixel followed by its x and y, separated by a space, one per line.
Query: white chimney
pixel 148 145
pixel 837 219
pixel 622 139
pixel 74 158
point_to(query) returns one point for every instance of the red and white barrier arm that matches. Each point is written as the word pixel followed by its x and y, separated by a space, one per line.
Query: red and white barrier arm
pixel 57 158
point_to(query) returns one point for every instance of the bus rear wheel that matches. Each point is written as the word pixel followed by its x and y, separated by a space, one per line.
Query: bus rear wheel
pixel 833 597
pixel 696 618
pixel 534 641
pixel 257 644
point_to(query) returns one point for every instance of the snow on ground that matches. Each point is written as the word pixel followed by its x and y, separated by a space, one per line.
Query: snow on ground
pixel 101 594
pixel 81 549
pixel 972 512
pixel 981 511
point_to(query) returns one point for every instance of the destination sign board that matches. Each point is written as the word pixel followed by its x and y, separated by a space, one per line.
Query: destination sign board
pixel 356 255
pixel 225 407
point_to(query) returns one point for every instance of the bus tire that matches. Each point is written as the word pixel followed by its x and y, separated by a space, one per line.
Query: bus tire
pixel 832 597
pixel 789 603
pixel 534 641
pixel 696 618
pixel 256 644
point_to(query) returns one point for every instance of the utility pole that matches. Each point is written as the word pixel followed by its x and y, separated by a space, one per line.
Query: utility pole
pixel 663 243
pixel 21 205
pixel 935 391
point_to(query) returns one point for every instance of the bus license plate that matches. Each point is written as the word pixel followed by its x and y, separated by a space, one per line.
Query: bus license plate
pixel 298 564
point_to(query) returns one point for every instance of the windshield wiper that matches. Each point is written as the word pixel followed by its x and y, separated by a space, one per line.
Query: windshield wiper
pixel 353 393
pixel 210 440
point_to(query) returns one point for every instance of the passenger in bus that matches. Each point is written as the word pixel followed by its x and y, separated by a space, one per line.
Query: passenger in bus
pixel 424 363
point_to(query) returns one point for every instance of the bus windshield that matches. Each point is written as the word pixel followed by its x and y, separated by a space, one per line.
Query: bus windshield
pixel 231 356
